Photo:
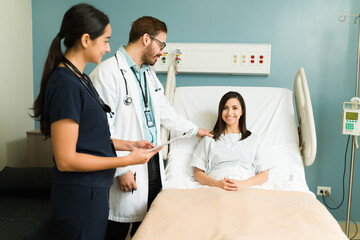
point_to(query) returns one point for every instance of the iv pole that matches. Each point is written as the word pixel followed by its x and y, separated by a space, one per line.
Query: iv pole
pixel 347 226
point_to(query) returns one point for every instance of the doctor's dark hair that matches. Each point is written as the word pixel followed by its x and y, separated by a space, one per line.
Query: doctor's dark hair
pixel 220 124
pixel 78 20
pixel 146 24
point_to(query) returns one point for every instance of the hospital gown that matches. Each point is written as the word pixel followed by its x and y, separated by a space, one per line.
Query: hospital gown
pixel 228 157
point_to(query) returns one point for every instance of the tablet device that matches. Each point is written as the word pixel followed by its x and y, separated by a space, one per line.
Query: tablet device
pixel 187 134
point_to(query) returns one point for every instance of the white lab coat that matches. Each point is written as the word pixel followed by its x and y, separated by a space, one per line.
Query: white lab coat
pixel 127 124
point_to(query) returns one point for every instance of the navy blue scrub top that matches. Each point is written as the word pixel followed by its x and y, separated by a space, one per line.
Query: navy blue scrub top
pixel 67 98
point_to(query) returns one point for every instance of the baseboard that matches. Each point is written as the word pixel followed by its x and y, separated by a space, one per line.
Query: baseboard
pixel 352 229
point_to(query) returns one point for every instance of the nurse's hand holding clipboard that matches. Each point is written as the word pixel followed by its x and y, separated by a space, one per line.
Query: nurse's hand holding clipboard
pixel 143 155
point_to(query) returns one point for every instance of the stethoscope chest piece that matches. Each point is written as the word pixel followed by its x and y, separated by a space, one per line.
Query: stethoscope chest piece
pixel 127 100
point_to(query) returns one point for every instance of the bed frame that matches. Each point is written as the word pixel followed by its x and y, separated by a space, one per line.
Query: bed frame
pixel 282 208
pixel 306 127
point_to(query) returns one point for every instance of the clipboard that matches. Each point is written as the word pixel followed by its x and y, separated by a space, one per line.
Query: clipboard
pixel 187 134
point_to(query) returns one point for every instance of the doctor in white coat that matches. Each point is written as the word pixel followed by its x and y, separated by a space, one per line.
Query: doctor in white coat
pixel 128 85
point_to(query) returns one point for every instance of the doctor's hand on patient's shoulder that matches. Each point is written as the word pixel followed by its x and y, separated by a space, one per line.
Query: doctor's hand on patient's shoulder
pixel 204 132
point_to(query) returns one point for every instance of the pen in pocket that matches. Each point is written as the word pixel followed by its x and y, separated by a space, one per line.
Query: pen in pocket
pixel 132 191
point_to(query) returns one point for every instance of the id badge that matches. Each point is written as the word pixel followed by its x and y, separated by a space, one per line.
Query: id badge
pixel 149 119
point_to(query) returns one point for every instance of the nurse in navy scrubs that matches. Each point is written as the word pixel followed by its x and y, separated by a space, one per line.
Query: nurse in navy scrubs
pixel 72 113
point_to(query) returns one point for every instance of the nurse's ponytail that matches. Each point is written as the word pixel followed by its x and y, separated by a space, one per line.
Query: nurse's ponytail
pixel 78 20
pixel 53 59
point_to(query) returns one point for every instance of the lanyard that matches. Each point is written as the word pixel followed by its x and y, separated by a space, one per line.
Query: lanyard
pixel 90 89
pixel 144 95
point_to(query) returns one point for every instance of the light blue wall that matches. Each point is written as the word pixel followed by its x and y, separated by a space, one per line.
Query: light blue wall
pixel 303 33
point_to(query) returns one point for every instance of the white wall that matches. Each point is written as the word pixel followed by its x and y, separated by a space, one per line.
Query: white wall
pixel 16 80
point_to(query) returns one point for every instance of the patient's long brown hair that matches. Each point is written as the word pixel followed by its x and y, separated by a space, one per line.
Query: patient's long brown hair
pixel 220 124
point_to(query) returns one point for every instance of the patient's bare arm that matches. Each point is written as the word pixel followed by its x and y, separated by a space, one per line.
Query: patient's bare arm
pixel 204 179
pixel 258 179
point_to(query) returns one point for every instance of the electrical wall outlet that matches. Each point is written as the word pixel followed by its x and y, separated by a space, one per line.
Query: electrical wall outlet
pixel 244 58
pixel 235 59
pixel 253 58
pixel 321 190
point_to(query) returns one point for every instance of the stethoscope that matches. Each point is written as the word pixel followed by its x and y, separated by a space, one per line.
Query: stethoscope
pixel 128 100
pixel 90 89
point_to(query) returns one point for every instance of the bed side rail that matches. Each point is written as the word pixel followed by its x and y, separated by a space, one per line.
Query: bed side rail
pixel 306 127
pixel 169 92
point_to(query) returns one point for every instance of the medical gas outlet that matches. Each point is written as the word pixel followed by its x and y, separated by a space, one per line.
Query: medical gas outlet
pixel 163 58
pixel 177 56
pixel 173 57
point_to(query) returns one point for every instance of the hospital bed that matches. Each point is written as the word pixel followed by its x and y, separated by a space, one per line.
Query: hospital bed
pixel 282 208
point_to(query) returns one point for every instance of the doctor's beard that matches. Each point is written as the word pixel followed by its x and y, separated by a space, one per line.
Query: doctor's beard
pixel 149 57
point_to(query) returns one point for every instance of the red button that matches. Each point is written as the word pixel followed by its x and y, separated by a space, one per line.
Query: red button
pixel 261 61
pixel 252 56
pixel 261 56
pixel 252 61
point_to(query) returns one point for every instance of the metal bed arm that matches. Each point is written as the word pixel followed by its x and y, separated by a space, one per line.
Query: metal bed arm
pixel 306 127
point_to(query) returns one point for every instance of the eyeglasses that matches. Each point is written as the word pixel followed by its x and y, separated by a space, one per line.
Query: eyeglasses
pixel 163 44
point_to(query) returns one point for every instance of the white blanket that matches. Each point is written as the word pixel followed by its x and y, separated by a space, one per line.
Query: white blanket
pixel 247 214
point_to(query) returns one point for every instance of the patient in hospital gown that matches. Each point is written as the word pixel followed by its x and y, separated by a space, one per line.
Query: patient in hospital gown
pixel 234 158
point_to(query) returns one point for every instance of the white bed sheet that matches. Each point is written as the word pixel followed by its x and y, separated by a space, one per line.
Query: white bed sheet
pixel 270 114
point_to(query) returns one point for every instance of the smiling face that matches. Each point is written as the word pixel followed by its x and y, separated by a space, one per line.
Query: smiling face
pixel 99 46
pixel 153 51
pixel 231 113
